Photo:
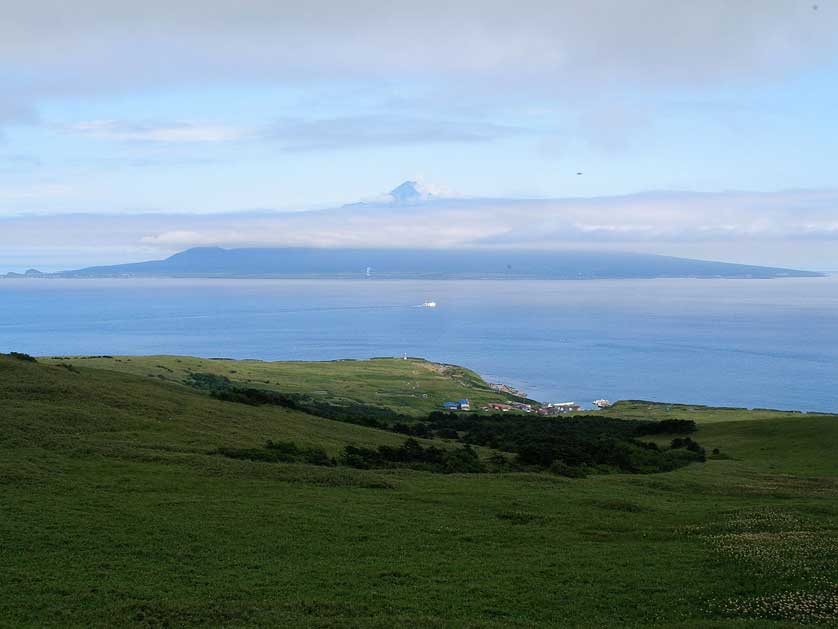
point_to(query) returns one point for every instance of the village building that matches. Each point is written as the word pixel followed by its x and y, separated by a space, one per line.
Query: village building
pixel 462 405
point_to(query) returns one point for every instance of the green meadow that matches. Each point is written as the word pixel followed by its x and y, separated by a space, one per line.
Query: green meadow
pixel 116 510
pixel 413 386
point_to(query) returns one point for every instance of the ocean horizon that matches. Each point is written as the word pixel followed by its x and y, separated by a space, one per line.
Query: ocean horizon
pixel 743 343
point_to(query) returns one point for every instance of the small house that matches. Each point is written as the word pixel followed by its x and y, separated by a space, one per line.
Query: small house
pixel 450 406
pixel 464 405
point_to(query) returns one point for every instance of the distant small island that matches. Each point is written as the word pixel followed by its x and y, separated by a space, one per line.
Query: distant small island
pixel 27 273
pixel 298 262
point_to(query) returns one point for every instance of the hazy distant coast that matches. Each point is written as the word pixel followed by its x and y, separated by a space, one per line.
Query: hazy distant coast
pixel 423 264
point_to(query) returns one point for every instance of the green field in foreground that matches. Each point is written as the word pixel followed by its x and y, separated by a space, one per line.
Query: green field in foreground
pixel 114 511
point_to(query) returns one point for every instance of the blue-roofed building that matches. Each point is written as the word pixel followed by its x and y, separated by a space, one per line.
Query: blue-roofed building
pixel 450 406
pixel 464 405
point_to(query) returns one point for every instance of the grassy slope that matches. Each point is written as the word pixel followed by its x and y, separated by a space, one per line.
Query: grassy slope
pixel 641 409
pixel 769 440
pixel 112 513
pixel 89 407
pixel 411 386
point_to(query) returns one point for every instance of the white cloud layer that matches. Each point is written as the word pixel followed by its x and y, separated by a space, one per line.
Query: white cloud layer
pixel 467 57
pixel 166 133
pixel 556 45
pixel 297 134
pixel 664 221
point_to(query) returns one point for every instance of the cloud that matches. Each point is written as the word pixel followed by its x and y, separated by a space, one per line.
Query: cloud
pixel 673 217
pixel 16 163
pixel 298 134
pixel 15 111
pixel 726 223
pixel 380 130
pixel 176 133
pixel 39 191
pixel 557 45
pixel 177 237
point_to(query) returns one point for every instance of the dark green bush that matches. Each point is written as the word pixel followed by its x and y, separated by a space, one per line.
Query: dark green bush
pixel 280 452
pixel 563 469
pixel 568 442
pixel 21 356
pixel 413 455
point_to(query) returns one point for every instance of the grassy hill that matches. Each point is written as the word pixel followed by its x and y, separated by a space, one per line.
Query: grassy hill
pixel 91 408
pixel 413 386
pixel 768 440
pixel 116 511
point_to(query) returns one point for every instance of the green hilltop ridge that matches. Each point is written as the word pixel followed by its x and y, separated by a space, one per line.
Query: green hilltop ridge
pixel 173 491
pixel 413 386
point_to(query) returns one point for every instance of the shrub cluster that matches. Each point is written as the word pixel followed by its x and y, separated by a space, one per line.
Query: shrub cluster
pixel 280 452
pixel 413 455
pixel 571 442
pixel 21 356
pixel 222 388
pixel 690 445
pixel 569 446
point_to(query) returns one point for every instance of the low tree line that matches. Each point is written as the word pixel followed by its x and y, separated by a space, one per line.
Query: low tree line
pixel 572 446
pixel 411 454
pixel 222 388
pixel 589 442
pixel 21 356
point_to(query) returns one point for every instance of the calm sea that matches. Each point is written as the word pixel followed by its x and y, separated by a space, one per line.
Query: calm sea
pixel 753 343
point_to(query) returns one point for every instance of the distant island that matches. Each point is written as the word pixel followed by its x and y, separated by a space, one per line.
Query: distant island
pixel 298 262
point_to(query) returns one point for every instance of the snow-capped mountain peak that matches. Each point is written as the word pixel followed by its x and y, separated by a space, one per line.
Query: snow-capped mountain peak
pixel 411 192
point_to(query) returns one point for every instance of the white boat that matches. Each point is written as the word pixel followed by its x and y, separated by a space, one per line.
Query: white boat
pixel 429 304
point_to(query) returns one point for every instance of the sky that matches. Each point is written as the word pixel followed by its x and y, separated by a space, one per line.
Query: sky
pixel 132 130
